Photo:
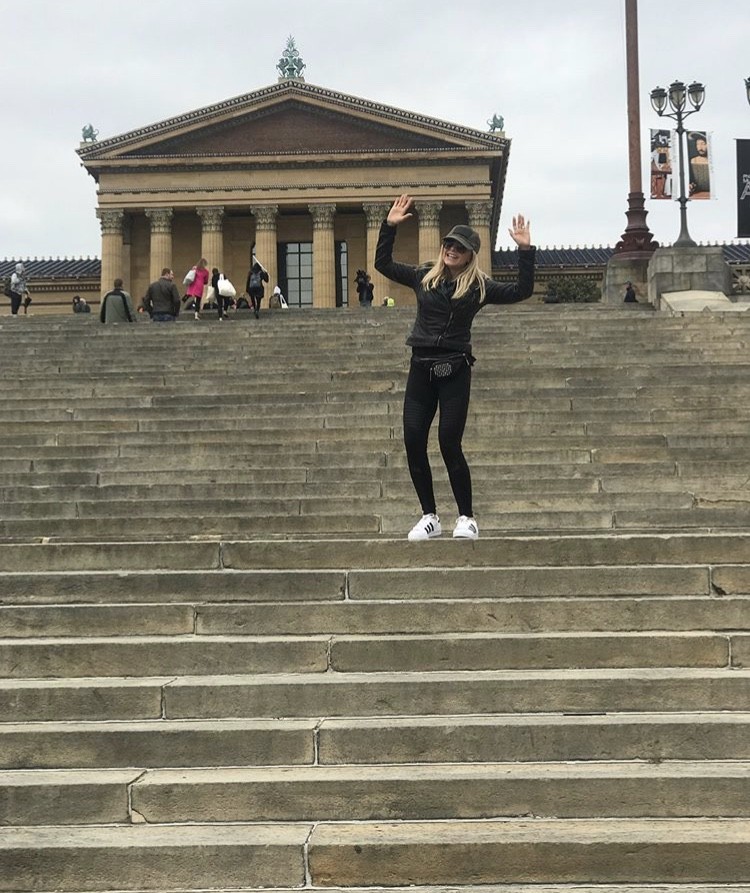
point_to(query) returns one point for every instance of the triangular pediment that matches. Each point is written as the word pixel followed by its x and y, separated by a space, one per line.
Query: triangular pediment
pixel 290 126
pixel 291 118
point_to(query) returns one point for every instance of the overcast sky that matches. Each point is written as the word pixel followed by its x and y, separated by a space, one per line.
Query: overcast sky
pixel 555 72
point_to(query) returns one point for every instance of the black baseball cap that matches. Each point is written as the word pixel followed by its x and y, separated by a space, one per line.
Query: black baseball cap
pixel 465 236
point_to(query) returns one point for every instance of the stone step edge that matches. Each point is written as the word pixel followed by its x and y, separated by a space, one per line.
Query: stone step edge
pixel 471 888
pixel 214 552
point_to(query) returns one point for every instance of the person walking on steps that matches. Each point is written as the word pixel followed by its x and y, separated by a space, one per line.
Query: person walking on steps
pixel 450 292
pixel 196 281
pixel 254 287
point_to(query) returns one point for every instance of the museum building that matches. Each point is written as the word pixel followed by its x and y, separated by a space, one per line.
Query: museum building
pixel 299 177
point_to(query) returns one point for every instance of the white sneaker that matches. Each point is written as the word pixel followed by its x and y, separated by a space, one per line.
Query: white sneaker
pixel 426 528
pixel 466 529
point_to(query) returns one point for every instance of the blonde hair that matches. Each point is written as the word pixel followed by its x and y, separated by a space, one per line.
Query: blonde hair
pixel 469 278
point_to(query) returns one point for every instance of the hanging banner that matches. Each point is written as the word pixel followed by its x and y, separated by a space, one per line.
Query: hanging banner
pixel 700 166
pixel 661 164
pixel 743 189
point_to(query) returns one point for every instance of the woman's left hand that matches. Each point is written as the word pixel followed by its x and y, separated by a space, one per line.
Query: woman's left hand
pixel 520 232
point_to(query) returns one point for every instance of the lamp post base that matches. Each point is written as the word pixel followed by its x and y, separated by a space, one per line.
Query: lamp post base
pixel 637 240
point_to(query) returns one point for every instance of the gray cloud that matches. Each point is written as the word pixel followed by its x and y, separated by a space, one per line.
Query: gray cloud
pixel 554 71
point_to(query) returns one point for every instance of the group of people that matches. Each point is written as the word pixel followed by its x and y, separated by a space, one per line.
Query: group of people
pixel 203 288
pixel 163 301
pixel 220 291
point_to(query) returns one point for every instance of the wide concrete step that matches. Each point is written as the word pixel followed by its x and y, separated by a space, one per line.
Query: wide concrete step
pixel 151 858
pixel 211 616
pixel 377 793
pixel 159 743
pixel 518 475
pixel 336 502
pixel 373 854
pixel 437 791
pixel 242 581
pixel 407 740
pixel 704 553
pixel 53 658
pixel 158 655
pixel 653 736
pixel 670 690
pixel 540 851
pixel 386 694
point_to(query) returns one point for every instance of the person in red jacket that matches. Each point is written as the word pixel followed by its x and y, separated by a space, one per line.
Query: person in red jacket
pixel 195 288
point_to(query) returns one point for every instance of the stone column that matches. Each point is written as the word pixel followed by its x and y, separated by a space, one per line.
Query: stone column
pixel 161 240
pixel 376 213
pixel 265 242
pixel 480 215
pixel 212 236
pixel 429 230
pixel 324 267
pixel 112 267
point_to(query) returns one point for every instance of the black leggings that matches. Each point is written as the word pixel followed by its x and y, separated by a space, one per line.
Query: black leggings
pixel 421 401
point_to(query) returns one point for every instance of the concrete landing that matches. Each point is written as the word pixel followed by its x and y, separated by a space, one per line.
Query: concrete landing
pixel 677 302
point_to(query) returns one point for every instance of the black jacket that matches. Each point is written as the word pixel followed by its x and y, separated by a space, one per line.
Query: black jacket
pixel 256 291
pixel 441 321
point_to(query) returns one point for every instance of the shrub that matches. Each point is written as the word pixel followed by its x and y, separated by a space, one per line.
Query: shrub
pixel 569 290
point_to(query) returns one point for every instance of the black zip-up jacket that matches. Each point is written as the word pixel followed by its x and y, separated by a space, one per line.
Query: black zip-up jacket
pixel 443 322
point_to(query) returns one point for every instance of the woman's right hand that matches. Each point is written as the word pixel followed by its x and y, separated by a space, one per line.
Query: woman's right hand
pixel 400 211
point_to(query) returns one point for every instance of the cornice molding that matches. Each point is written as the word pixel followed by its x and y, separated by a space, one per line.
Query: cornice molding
pixel 296 187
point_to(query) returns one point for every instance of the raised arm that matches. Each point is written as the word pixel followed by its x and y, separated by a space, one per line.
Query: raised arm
pixel 406 274
pixel 523 287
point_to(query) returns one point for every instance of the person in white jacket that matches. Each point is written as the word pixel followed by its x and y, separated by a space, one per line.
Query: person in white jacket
pixel 18 289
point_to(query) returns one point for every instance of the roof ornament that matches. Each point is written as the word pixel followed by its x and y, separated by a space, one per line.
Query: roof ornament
pixel 89 134
pixel 496 122
pixel 290 65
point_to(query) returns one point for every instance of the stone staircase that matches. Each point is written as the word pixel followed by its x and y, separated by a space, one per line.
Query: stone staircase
pixel 222 667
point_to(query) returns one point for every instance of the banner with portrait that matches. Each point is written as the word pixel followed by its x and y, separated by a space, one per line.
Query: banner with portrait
pixel 699 165
pixel 662 145
pixel 743 189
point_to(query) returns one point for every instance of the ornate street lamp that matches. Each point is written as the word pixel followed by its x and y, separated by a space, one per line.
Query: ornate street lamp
pixel 678 97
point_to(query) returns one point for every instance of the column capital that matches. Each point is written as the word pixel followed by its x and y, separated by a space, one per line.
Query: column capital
pixel 376 213
pixel 480 213
pixel 265 216
pixel 322 215
pixel 212 219
pixel 161 219
pixel 429 213
pixel 110 220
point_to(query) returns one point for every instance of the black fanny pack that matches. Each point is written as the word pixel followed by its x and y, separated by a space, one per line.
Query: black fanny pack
pixel 444 366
